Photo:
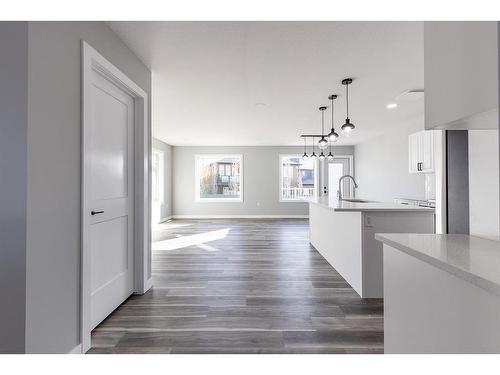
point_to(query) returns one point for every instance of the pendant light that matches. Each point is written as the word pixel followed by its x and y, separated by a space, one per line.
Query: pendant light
pixel 330 155
pixel 321 156
pixel 305 156
pixel 313 155
pixel 348 127
pixel 333 135
pixel 323 143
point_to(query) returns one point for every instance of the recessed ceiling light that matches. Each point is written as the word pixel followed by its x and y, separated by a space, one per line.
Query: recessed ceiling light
pixel 260 104
pixel 391 105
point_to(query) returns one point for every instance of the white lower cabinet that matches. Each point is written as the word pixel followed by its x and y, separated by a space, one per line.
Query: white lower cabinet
pixel 421 152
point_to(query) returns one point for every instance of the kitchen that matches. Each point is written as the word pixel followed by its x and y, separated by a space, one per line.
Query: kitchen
pixel 453 249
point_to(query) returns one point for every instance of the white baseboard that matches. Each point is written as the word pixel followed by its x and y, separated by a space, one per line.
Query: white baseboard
pixel 166 219
pixel 76 350
pixel 240 216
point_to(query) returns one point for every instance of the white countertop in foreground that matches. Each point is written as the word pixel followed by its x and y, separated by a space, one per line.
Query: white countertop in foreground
pixel 334 204
pixel 473 259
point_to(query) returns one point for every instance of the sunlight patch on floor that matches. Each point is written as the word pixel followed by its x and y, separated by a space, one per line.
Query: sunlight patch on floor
pixel 170 225
pixel 198 240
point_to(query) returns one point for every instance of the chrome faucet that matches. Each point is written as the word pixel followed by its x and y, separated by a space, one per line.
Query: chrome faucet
pixel 339 192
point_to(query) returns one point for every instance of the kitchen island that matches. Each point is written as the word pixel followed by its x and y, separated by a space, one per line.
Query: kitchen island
pixel 441 293
pixel 343 232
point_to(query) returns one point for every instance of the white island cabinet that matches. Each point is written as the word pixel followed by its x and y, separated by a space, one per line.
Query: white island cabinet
pixel 441 294
pixel 344 234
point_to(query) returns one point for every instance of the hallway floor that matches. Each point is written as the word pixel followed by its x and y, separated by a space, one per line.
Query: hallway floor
pixel 241 286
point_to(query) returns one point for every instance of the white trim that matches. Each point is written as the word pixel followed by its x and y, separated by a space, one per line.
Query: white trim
pixel 93 61
pixel 76 350
pixel 280 173
pixel 197 185
pixel 241 216
pixel 148 285
pixel 351 171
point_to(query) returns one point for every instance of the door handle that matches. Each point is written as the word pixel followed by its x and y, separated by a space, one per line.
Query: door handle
pixel 96 212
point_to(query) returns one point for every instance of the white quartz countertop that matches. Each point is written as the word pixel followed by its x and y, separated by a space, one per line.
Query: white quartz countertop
pixel 473 259
pixel 334 204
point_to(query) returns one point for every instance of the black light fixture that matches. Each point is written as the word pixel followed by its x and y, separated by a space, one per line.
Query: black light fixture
pixel 348 126
pixel 330 155
pixel 333 135
pixel 305 156
pixel 313 155
pixel 323 143
pixel 326 140
pixel 321 156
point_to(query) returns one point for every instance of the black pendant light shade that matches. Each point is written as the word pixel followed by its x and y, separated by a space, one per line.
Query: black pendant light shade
pixel 330 155
pixel 321 156
pixel 323 143
pixel 313 155
pixel 348 127
pixel 305 156
pixel 333 135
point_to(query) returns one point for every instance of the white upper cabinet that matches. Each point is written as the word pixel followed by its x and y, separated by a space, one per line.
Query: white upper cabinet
pixel 421 152
pixel 461 75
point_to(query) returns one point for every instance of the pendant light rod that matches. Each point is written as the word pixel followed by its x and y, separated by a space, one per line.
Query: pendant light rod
pixel 347 82
pixel 323 109
pixel 332 98
pixel 333 135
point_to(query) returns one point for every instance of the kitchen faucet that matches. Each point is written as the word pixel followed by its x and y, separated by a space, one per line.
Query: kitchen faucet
pixel 339 192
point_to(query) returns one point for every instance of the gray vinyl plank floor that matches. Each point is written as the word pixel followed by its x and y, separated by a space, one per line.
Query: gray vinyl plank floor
pixel 241 286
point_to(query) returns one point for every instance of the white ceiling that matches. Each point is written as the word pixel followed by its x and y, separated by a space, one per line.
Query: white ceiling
pixel 209 76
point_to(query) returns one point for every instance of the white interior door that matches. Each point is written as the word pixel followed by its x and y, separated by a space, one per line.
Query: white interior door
pixel 109 189
pixel 338 167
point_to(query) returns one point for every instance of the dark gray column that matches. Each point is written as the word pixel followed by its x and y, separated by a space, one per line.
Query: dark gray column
pixel 13 184
pixel 457 179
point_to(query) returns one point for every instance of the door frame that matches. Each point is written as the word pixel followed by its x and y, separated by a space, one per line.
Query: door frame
pixel 93 61
pixel 351 170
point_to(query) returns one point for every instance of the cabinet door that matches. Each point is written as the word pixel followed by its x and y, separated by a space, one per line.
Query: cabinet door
pixel 414 152
pixel 427 153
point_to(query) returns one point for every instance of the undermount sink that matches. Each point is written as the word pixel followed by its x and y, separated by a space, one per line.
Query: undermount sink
pixel 355 200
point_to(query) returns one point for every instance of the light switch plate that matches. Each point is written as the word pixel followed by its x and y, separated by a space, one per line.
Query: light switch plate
pixel 368 221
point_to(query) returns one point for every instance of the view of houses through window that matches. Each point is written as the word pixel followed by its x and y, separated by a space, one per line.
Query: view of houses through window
pixel 297 178
pixel 218 177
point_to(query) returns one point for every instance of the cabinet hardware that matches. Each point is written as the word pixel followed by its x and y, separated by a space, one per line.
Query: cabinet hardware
pixel 96 212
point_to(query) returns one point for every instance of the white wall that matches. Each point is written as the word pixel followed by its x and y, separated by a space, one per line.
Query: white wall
pixel 54 193
pixel 166 207
pixel 261 181
pixel 381 167
pixel 483 184
pixel 13 172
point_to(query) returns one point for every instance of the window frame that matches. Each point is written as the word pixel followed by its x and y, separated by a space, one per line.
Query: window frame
pixel 197 179
pixel 280 182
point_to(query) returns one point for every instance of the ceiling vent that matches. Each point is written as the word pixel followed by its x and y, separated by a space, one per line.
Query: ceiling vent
pixel 410 95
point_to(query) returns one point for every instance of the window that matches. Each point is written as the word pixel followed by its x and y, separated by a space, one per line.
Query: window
pixel 297 178
pixel 157 176
pixel 219 178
